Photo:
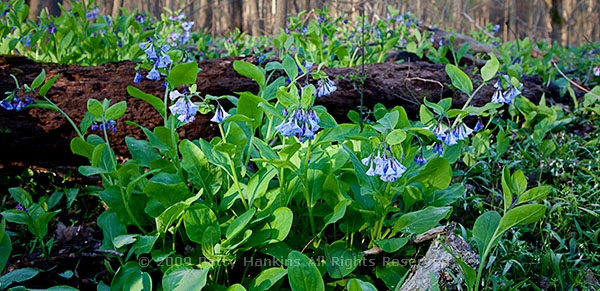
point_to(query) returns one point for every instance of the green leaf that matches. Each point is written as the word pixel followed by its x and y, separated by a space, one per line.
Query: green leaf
pixel 111 227
pixel 395 137
pixel 506 188
pixel 131 277
pixel 17 276
pixel 196 219
pixel 446 196
pixel 248 106
pixel 38 80
pixel 169 217
pixel 519 182
pixel 391 245
pixel 484 229
pixel 21 196
pixel 267 279
pixel 238 225
pixel 167 188
pixel 360 285
pixel 141 151
pixel 201 174
pixel 116 111
pixel 156 102
pixel 421 221
pixel 259 183
pixel 303 274
pixel 95 107
pixel 535 194
pixel 459 79
pixel 182 74
pixel 251 71
pixel 5 245
pixel 340 261
pixel 521 215
pixel 489 70
pixel 436 175
pixel 338 212
pixel 81 147
pixel 184 278
pixel 275 228
pixel 290 67
pixel 44 89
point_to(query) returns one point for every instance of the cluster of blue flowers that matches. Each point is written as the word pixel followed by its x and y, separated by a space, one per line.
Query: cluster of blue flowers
pixel 16 103
pixel 384 165
pixel 301 123
pixel 451 136
pixel 507 96
pixel 184 108
pixel 325 88
pixel 597 71
pixel 108 125
pixel 92 14
pixel 160 59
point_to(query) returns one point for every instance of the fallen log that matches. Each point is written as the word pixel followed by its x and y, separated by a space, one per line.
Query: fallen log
pixel 41 137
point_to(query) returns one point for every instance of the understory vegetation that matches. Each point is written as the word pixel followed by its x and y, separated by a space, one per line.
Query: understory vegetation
pixel 288 198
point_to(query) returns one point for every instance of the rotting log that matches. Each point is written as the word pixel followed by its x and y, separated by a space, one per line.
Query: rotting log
pixel 41 137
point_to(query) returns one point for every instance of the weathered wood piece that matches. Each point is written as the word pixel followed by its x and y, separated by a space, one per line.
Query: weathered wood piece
pixel 41 137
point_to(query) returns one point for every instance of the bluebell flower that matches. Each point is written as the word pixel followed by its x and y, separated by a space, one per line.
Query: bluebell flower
pixel 438 148
pixel 20 207
pixel 92 14
pixel 138 77
pixel 450 139
pixel 153 74
pixel 462 131
pixel 320 19
pixel 384 165
pixel 179 17
pixel 187 26
pixel 325 88
pixel 302 123
pixel 597 71
pixel 7 105
pixel 51 28
pixel 220 114
pixel 185 110
pixel 420 160
pixel 16 103
pixel 140 18
pixel 108 125
pixel 175 94
pixel 5 11
pixel 163 62
pixel 174 38
pixel 187 36
pixel 479 126
pixel 498 96
pixel 510 95
pixel 439 131
pixel 495 28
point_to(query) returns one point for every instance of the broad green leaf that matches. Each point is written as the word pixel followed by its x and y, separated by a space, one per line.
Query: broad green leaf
pixel 446 196
pixel 44 89
pixel 248 106
pixel 5 245
pixel 183 74
pixel 360 285
pixel 131 277
pixel 436 175
pixel 170 216
pixel 521 215
pixel 267 279
pixel 338 212
pixel 395 137
pixel 123 240
pixel 95 107
pixel 484 229
pixel 201 174
pixel 81 147
pixel 519 182
pixel 141 151
pixel 111 228
pixel 167 188
pixel 275 228
pixel 258 184
pixel 17 276
pixel 392 273
pixel 303 274
pixel 238 225
pixel 196 219
pixel 422 220
pixel 489 70
pixel 459 79
pixel 38 80
pixel 391 245
pixel 506 188
pixel 156 102
pixel 21 196
pixel 184 278
pixel 143 245
pixel 535 194
pixel 251 71
pixel 290 67
pixel 341 261
pixel 115 111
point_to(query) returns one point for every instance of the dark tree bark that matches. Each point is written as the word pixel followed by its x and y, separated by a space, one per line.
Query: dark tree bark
pixel 41 137
pixel 556 20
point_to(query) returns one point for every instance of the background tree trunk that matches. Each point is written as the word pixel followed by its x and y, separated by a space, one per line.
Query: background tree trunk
pixel 556 20
pixel 237 14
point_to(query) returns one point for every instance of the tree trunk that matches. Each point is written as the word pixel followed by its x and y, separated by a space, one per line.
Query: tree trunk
pixel 556 20
pixel 254 18
pixel 280 16
pixel 237 15
pixel 116 9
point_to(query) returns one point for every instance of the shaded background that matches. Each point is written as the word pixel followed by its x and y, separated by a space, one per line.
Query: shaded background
pixel 569 22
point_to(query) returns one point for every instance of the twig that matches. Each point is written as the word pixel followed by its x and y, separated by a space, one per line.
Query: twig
pixel 573 82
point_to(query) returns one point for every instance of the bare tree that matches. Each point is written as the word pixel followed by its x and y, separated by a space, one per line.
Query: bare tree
pixel 237 14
